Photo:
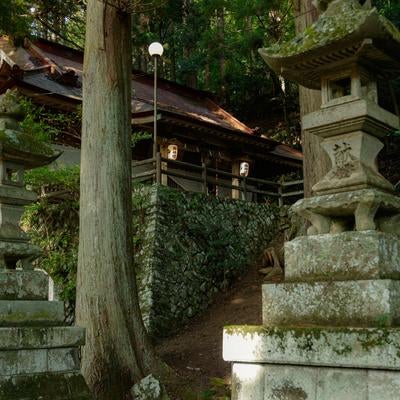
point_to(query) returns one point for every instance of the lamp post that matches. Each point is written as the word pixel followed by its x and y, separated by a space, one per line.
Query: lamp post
pixel 155 50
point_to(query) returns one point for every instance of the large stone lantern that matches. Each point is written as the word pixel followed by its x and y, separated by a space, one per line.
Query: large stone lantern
pixel 331 331
pixel 344 54
pixel 38 355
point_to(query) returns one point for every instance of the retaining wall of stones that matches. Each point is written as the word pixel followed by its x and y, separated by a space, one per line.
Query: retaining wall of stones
pixel 188 247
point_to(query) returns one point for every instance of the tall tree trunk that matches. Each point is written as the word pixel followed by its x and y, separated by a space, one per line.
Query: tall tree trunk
pixel 316 162
pixel 190 76
pixel 221 61
pixel 117 352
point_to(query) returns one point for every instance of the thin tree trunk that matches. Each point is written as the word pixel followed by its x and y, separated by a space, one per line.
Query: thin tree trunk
pixel 222 61
pixel 190 76
pixel 117 352
pixel 316 162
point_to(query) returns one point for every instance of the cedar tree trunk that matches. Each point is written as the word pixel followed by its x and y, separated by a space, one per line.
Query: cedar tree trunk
pixel 117 351
pixel 316 161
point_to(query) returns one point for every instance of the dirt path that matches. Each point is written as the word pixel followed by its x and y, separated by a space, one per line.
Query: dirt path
pixel 196 351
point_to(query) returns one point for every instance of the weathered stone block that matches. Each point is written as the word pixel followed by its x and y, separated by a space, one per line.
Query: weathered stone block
pixel 337 347
pixel 41 338
pixel 360 210
pixel 60 360
pixel 281 383
pixel 247 381
pixel 49 386
pixel 31 313
pixel 313 383
pixel 339 384
pixel 32 361
pixel 349 255
pixel 23 285
pixel 22 362
pixel 369 303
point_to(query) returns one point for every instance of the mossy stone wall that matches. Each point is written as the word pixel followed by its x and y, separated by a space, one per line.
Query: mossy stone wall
pixel 188 247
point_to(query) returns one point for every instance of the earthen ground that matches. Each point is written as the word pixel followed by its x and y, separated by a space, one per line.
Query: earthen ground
pixel 196 351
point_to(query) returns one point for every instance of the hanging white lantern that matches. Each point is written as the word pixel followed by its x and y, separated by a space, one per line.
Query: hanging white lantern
pixel 172 152
pixel 244 169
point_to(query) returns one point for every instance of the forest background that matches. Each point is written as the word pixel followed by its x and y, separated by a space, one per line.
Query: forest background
pixel 209 45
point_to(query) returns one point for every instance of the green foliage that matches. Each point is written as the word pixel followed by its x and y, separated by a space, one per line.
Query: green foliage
pixel 15 18
pixel 66 178
pixel 33 124
pixel 219 390
pixel 61 20
pixel 54 227
pixel 138 136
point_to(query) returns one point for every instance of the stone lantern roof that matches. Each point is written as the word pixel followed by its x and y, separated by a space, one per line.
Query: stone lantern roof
pixel 345 33
pixel 19 145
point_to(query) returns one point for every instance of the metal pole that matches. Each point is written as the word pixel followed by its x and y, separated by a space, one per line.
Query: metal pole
pixel 155 109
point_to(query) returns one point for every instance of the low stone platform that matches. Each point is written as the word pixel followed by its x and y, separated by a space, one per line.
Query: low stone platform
pixel 278 382
pixel 335 347
pixel 31 313
pixel 25 338
pixel 369 303
pixel 346 256
pixel 23 285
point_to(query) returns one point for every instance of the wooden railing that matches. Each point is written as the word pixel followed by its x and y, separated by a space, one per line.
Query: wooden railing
pixel 210 180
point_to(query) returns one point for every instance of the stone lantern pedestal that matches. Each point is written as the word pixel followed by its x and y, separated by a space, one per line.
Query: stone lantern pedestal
pixel 38 354
pixel 331 331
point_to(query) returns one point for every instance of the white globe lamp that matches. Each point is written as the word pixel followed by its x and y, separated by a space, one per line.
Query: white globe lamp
pixel 156 49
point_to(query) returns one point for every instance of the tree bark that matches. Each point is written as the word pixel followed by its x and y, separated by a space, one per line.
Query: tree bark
pixel 221 60
pixel 117 351
pixel 316 162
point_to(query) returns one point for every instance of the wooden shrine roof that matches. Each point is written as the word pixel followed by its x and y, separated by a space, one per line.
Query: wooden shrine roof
pixel 52 74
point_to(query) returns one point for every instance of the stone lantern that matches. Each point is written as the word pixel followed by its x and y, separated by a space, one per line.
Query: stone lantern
pixel 344 54
pixel 38 355
pixel 331 330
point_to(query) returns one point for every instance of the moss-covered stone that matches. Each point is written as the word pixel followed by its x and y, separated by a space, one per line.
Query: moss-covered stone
pixel 190 246
pixel 342 19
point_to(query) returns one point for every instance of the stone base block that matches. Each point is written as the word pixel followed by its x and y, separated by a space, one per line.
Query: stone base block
pixel 49 386
pixel 21 362
pixel 370 303
pixel 346 256
pixel 360 210
pixel 24 338
pixel 31 313
pixel 277 382
pixel 334 347
pixel 23 285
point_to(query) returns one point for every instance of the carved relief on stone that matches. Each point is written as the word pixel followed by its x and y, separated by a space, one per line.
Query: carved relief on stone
pixel 353 157
pixel 346 163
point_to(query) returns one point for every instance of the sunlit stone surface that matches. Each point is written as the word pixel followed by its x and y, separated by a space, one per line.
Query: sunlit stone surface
pixel 331 331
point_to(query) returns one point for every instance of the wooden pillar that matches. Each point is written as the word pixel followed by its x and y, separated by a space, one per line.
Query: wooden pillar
pixel 235 181
pixel 164 165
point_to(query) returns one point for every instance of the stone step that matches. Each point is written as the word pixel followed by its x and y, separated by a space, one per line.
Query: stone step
pixel 23 285
pixel 35 361
pixel 376 348
pixel 24 338
pixel 48 386
pixel 31 313
pixel 345 256
pixel 273 382
pixel 369 303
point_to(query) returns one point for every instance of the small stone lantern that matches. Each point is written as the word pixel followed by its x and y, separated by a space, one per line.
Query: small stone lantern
pixel 19 151
pixel 38 355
